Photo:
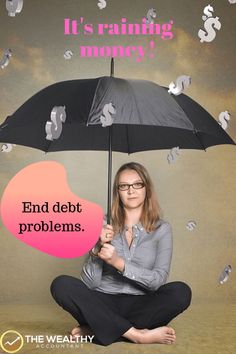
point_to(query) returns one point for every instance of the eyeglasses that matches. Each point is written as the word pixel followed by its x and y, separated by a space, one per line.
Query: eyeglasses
pixel 126 186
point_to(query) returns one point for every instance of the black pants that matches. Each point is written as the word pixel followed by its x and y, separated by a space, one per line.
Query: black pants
pixel 109 316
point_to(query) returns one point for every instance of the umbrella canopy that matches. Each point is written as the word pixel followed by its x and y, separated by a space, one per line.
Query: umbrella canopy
pixel 147 118
pixel 144 117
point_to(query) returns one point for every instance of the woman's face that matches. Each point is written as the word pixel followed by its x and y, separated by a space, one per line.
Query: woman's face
pixel 131 198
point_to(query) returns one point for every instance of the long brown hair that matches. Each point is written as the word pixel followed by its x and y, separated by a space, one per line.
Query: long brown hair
pixel 151 210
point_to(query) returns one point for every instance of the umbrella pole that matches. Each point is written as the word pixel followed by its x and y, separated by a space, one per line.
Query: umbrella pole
pixel 112 68
pixel 110 159
pixel 109 176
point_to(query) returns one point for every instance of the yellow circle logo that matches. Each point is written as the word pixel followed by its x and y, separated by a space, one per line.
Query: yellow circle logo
pixel 11 341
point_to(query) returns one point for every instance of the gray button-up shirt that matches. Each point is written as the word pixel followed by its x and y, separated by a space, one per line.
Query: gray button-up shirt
pixel 147 263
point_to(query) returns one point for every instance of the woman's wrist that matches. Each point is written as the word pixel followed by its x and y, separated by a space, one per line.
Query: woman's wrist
pixel 91 252
pixel 119 264
pixel 95 250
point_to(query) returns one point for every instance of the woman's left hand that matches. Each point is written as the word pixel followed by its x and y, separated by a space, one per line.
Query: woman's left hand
pixel 108 254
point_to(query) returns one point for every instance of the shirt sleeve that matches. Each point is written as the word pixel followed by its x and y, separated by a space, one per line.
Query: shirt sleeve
pixel 92 272
pixel 154 278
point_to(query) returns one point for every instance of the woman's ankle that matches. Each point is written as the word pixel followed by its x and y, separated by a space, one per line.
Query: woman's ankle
pixel 134 335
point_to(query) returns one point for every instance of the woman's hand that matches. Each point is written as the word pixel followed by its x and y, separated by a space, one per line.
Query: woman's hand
pixel 108 254
pixel 107 234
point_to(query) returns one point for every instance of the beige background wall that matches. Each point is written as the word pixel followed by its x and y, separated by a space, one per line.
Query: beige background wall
pixel 200 186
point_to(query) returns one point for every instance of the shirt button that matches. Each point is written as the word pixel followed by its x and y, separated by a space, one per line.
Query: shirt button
pixel 135 226
pixel 141 229
pixel 136 235
pixel 133 277
pixel 126 274
pixel 133 245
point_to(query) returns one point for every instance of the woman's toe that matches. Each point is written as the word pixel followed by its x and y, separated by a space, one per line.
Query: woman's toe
pixel 171 330
pixel 75 331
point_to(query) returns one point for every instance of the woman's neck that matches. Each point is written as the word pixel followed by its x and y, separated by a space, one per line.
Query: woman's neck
pixel 132 216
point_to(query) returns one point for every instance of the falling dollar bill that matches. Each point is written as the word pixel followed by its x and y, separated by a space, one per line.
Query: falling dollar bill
pixel 53 128
pixel 210 25
pixel 151 14
pixel 107 119
pixel 173 154
pixel 7 147
pixel 14 7
pixel 223 118
pixel 68 54
pixel 102 4
pixel 6 58
pixel 181 84
pixel 191 225
pixel 225 274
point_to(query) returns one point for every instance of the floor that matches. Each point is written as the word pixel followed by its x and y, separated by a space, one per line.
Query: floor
pixel 202 329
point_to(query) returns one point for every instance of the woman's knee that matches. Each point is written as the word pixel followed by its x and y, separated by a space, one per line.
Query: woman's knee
pixel 58 286
pixel 179 293
pixel 183 294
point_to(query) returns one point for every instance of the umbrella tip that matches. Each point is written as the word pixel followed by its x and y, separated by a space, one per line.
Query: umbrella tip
pixel 112 67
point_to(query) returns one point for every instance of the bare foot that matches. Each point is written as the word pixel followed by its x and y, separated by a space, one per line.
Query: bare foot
pixel 162 335
pixel 81 331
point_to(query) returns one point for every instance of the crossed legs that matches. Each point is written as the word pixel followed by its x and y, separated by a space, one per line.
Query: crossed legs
pixel 139 318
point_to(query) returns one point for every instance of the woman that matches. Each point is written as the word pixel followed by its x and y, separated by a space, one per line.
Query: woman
pixel 122 291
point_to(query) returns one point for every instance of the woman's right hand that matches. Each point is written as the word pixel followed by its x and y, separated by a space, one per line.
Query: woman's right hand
pixel 107 234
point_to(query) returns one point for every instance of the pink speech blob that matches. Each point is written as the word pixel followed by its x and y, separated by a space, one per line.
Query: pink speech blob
pixel 39 209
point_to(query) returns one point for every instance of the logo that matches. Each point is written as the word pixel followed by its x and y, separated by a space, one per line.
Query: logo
pixel 11 341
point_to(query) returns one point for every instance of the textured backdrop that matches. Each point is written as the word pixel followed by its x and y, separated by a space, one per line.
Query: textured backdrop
pixel 200 186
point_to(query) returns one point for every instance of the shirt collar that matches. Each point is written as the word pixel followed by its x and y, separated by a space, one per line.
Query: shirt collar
pixel 138 226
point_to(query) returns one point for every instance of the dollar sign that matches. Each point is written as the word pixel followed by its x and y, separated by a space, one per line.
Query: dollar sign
pixel 232 1
pixel 107 119
pixel 182 83
pixel 6 58
pixel 191 225
pixel 53 128
pixel 7 147
pixel 223 118
pixel 102 4
pixel 150 15
pixel 225 274
pixel 173 154
pixel 13 7
pixel 68 54
pixel 209 36
pixel 208 11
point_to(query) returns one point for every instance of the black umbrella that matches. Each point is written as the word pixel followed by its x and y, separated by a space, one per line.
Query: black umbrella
pixel 111 114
